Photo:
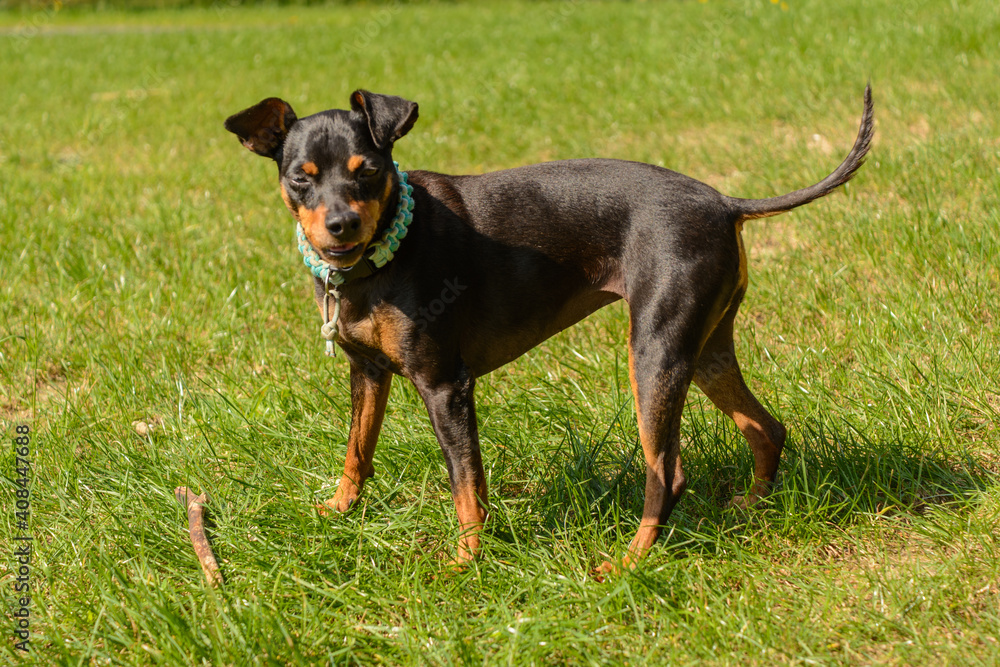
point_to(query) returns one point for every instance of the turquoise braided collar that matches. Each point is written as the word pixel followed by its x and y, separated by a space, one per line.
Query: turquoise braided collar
pixel 378 253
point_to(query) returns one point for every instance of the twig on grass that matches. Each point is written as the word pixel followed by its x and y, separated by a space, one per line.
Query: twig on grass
pixel 195 506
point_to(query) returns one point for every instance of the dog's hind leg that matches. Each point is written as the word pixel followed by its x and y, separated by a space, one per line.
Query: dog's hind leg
pixel 660 372
pixel 718 375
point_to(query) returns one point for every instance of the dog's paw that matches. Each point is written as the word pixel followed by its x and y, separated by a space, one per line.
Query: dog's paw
pixel 339 504
pixel 746 502
pixel 344 500
pixel 456 565
pixel 610 569
pixel 603 571
pixel 740 503
pixel 325 508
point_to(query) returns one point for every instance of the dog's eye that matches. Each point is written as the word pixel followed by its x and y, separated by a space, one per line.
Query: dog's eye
pixel 300 181
pixel 368 172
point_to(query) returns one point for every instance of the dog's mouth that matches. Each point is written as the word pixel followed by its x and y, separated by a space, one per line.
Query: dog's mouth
pixel 340 254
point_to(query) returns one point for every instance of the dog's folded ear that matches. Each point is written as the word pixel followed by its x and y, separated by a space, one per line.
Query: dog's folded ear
pixel 389 117
pixel 263 127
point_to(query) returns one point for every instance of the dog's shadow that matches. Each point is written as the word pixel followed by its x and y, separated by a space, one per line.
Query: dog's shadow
pixel 830 473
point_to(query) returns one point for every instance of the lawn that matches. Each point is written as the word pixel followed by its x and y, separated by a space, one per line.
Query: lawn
pixel 148 274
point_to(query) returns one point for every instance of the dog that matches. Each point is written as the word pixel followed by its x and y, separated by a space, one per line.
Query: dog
pixel 492 265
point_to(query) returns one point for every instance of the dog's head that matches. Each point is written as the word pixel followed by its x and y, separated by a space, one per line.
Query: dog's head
pixel 335 167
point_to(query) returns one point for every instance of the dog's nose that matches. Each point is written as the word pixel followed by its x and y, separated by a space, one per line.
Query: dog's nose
pixel 340 224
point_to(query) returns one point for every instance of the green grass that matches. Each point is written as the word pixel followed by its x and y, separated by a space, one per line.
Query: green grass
pixel 147 272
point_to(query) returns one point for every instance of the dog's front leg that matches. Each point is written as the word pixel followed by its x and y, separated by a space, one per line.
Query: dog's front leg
pixel 452 411
pixel 369 394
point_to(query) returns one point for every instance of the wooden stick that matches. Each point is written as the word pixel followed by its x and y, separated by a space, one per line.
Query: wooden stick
pixel 196 525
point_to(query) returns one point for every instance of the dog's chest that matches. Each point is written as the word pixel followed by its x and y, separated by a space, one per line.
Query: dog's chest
pixel 377 333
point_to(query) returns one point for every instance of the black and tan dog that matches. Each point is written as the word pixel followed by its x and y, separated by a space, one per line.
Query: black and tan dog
pixel 522 254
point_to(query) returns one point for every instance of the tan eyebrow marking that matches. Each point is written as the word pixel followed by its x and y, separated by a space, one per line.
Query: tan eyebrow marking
pixel 355 162
pixel 310 168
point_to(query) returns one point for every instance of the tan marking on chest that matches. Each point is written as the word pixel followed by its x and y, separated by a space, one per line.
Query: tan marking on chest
pixel 384 329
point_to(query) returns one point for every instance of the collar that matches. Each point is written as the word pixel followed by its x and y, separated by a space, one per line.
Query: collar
pixel 376 255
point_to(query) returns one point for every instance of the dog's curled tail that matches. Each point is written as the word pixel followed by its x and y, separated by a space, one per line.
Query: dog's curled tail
pixel 747 209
